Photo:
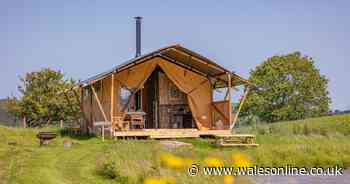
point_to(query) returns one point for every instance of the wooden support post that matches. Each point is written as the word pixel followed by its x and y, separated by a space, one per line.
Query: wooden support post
pixel 246 91
pixel 102 111
pixel 61 123
pixel 227 94
pixel 229 97
pixel 112 104
pixel 24 122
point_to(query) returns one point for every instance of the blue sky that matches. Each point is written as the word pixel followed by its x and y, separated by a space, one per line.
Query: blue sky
pixel 82 38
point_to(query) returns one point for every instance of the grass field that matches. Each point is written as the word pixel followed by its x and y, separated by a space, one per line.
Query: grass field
pixel 313 142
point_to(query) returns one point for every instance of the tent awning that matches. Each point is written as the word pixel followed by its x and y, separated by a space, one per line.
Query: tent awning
pixel 184 58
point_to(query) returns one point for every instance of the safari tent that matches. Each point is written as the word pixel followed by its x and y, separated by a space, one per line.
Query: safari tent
pixel 165 90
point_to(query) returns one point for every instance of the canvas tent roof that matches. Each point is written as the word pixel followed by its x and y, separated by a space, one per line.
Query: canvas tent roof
pixel 182 57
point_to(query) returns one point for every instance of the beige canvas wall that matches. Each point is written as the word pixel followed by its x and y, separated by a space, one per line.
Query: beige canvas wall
pixel 196 87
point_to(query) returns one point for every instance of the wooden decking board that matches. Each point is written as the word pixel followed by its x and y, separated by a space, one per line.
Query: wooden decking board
pixel 178 133
pixel 224 138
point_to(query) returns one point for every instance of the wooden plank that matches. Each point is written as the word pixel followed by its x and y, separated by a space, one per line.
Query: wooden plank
pixel 246 91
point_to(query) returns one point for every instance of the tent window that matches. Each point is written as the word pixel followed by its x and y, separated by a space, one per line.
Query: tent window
pixel 219 94
pixel 124 96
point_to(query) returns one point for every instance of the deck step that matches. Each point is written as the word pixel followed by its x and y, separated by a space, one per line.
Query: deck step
pixel 238 145
pixel 236 140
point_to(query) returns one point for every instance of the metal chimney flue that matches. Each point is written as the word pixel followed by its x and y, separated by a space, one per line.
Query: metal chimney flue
pixel 138 36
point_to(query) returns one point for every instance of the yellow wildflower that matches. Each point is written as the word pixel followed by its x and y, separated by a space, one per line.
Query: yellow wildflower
pixel 228 179
pixel 240 160
pixel 165 180
pixel 188 161
pixel 213 162
pixel 172 161
pixel 152 181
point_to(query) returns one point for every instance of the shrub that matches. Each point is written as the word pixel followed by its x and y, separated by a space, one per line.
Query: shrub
pixel 110 170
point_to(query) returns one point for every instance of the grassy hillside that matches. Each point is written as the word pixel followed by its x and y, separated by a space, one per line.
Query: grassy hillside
pixel 312 142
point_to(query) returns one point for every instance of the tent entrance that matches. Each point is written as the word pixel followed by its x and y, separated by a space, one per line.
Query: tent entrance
pixel 165 105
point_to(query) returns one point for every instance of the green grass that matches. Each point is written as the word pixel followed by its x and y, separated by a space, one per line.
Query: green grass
pixel 313 142
pixel 322 142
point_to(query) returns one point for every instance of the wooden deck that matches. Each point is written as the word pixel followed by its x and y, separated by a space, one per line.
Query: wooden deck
pixel 223 138
pixel 170 133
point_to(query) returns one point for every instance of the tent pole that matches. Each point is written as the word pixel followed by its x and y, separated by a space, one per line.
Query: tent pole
pixel 229 98
pixel 246 90
pixel 112 103
pixel 226 95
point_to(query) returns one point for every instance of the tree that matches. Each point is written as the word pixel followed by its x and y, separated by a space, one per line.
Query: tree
pixel 44 99
pixel 289 87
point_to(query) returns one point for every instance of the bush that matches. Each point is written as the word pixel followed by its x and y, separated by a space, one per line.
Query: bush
pixel 110 170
